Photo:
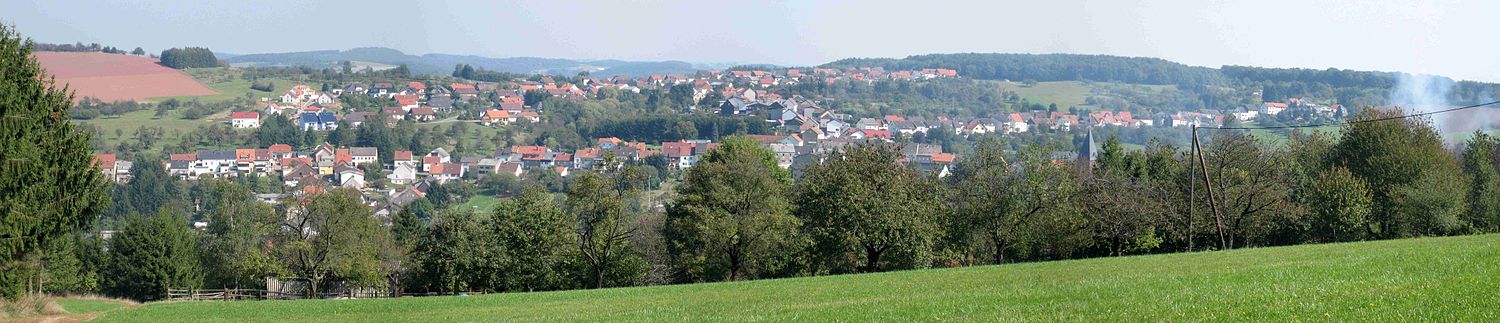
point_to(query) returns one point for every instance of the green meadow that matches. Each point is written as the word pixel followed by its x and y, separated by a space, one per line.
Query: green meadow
pixel 1425 279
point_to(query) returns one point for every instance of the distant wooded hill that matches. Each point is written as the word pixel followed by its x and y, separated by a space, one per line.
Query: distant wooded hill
pixel 443 63
pixel 1346 86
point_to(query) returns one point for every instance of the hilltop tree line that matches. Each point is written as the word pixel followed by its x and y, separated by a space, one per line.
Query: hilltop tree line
pixel 81 47
pixel 191 57
pixel 1348 87
pixel 471 72
pixel 1052 67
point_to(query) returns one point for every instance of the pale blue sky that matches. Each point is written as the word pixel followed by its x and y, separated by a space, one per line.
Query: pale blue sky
pixel 1438 37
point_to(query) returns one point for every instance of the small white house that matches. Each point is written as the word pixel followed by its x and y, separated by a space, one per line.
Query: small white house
pixel 245 120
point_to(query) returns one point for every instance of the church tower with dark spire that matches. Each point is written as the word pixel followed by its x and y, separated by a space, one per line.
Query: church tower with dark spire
pixel 1087 155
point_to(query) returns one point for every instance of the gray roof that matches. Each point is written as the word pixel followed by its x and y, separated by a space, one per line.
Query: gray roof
pixel 363 151
pixel 215 155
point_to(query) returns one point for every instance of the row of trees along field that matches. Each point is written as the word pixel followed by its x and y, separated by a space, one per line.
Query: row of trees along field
pixel 81 47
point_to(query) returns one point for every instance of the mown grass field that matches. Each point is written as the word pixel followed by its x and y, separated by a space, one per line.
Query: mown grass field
pixel 1428 279
pixel 230 85
pixel 133 120
pixel 89 305
pixel 1072 93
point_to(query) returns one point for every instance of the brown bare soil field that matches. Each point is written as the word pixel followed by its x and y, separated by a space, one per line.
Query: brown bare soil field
pixel 112 77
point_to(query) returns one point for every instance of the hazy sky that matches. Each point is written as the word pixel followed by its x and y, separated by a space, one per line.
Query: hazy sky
pixel 1437 37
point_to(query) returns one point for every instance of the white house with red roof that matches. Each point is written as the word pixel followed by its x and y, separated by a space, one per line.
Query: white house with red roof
pixel 407 101
pixel 244 119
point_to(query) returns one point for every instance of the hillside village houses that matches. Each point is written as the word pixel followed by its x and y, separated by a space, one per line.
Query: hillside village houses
pixel 804 130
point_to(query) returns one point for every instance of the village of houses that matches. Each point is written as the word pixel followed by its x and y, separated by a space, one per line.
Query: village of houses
pixel 805 130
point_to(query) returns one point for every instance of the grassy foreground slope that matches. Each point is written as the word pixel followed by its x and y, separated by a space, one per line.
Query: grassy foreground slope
pixel 1444 279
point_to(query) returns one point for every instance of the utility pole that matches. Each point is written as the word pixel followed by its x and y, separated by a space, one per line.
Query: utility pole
pixel 1192 189
pixel 1207 185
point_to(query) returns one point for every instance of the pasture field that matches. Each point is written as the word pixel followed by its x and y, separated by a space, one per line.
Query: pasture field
pixel 1425 279
pixel 133 120
pixel 229 85
pixel 1074 93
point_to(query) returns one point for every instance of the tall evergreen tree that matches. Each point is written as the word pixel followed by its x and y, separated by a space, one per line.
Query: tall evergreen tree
pixel 48 185
pixel 151 188
pixel 152 254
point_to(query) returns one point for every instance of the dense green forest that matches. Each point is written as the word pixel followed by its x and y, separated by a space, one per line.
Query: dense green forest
pixel 1052 67
pixel 191 57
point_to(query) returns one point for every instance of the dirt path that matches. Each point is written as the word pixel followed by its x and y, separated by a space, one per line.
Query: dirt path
pixel 85 317
pixel 79 317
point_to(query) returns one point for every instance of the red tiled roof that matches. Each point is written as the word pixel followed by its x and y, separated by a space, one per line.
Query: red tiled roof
pixel 677 149
pixel 294 161
pixel 497 114
pixel 244 115
pixel 943 157
pixel 280 148
pixel 342 156
pixel 529 150
pixel 589 153
pixel 104 160
pixel 244 155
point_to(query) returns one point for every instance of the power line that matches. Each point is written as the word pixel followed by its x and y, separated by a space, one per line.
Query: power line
pixel 1345 123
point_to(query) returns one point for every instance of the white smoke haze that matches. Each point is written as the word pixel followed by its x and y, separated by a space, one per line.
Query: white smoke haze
pixel 1419 93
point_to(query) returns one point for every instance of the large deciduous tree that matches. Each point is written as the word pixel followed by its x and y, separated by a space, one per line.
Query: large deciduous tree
pixel 732 217
pixel 1250 183
pixel 867 213
pixel 333 235
pixel 1395 157
pixel 1341 207
pixel 538 240
pixel 456 255
pixel 237 246
pixel 48 185
pixel 1023 208
pixel 604 229
pixel 1484 192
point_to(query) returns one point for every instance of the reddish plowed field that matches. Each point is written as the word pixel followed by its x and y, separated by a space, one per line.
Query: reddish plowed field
pixel 112 77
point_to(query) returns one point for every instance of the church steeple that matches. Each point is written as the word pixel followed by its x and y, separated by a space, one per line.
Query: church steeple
pixel 1090 150
pixel 1088 154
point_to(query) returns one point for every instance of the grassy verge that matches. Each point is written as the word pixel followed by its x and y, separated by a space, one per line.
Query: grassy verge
pixel 1428 279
